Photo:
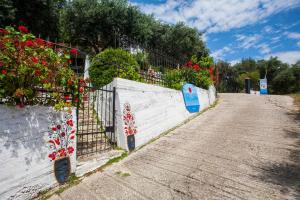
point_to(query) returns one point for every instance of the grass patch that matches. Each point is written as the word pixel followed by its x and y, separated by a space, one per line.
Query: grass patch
pixel 296 98
pixel 122 174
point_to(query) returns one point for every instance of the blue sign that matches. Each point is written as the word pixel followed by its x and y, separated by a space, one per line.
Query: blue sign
pixel 263 86
pixel 190 97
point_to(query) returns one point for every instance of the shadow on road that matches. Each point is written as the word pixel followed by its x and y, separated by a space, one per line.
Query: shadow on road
pixel 286 175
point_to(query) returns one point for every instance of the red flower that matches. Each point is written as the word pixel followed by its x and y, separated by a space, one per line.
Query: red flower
pixel 40 41
pixel 70 61
pixel 63 134
pixel 23 29
pixel 44 62
pixel 70 82
pixel 189 64
pixel 73 131
pixel 29 43
pixel 57 141
pixel 37 72
pixel 3 31
pixel 72 137
pixel 73 51
pixel 58 126
pixel 50 44
pixel 62 152
pixel 70 150
pixel 81 89
pixel 70 122
pixel 4 72
pixel 34 59
pixel 52 155
pixel 67 97
pixel 54 129
pixel 45 81
pixel 196 67
pixel 1 64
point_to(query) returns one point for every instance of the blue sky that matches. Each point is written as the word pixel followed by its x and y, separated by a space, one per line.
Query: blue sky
pixel 236 29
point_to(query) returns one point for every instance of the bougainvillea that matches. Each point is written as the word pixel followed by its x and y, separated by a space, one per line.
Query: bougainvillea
pixel 62 137
pixel 29 64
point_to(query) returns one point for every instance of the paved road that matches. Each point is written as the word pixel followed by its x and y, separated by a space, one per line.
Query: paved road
pixel 248 147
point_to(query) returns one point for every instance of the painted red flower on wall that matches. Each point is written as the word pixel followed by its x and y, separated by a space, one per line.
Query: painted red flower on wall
pixel 61 138
pixel 129 120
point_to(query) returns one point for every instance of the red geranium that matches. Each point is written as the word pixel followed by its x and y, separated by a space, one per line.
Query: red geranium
pixel 23 29
pixel 81 89
pixel 37 72
pixel 29 43
pixel 73 51
pixel 35 59
pixel 189 63
pixel 70 82
pixel 196 67
pixel 3 31
pixel 4 72
pixel 44 62
pixel 40 41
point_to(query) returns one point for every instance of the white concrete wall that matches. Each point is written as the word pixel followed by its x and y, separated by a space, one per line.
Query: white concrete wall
pixel 156 109
pixel 25 167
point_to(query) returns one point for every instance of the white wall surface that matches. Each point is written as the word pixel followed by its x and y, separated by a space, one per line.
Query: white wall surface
pixel 25 167
pixel 156 109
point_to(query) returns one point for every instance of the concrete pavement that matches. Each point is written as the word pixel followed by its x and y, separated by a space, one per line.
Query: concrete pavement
pixel 247 147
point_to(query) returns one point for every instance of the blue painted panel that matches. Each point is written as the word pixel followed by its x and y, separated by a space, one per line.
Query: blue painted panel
pixel 263 86
pixel 191 99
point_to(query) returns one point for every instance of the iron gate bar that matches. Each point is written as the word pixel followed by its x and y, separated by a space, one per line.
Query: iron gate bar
pixel 95 120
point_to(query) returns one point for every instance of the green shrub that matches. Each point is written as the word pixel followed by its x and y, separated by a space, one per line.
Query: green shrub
pixel 113 63
pixel 203 79
pixel 173 79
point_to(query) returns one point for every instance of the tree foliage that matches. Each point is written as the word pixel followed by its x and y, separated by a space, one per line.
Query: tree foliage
pixel 282 78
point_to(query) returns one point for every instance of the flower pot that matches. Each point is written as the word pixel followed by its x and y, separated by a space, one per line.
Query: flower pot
pixel 131 142
pixel 62 168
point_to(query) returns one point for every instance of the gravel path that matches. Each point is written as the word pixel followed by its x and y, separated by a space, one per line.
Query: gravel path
pixel 247 147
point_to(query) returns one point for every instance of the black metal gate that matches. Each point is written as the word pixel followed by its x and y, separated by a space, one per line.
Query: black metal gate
pixel 96 120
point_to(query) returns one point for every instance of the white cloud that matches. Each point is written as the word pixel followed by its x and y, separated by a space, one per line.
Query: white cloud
pixel 293 35
pixel 216 16
pixel 247 41
pixel 268 29
pixel 219 54
pixel 264 48
pixel 290 57
pixel 233 62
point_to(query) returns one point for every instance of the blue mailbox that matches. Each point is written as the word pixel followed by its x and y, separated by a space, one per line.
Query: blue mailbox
pixel 191 99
